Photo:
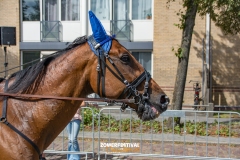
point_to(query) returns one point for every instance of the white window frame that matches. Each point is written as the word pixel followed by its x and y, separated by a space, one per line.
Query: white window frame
pixel 59 10
pixel 46 53
pixel 149 52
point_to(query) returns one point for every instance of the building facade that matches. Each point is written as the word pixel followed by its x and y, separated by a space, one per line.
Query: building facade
pixel 49 25
pixel 145 27
pixel 223 61
pixel 9 54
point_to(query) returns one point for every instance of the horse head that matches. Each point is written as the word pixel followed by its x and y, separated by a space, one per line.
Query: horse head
pixel 120 75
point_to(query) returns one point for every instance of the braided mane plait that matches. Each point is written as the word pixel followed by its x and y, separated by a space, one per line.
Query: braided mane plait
pixel 27 80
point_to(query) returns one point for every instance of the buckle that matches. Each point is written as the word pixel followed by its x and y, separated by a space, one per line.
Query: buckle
pixel 137 99
pixel 145 96
pixel 123 107
pixel 98 68
pixel 97 46
pixel 3 120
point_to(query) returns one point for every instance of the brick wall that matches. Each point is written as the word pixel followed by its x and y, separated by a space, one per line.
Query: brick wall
pixel 9 16
pixel 225 51
pixel 225 67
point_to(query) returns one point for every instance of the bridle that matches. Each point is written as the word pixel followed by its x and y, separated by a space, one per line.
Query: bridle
pixel 130 90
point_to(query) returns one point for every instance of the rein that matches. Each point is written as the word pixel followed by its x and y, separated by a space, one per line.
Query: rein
pixel 5 95
pixel 3 119
pixel 37 97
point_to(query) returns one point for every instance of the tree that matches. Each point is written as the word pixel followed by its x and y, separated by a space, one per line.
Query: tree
pixel 225 14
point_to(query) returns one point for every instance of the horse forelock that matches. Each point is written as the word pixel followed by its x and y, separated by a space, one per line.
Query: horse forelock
pixel 28 80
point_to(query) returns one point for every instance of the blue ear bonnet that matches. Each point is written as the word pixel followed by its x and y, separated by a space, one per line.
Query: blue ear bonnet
pixel 99 38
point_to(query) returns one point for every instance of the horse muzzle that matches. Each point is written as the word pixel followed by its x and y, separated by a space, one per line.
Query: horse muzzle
pixel 146 111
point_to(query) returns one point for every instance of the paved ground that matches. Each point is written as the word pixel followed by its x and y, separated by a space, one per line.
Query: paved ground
pixel 149 146
pixel 163 145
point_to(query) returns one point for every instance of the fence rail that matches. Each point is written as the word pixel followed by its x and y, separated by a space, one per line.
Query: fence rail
pixel 110 132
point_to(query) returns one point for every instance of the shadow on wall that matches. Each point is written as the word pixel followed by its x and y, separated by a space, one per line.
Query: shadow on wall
pixel 225 67
pixel 12 60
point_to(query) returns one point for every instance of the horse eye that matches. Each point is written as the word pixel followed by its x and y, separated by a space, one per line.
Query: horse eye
pixel 125 58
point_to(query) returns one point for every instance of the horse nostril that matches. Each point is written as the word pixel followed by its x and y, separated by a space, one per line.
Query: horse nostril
pixel 164 99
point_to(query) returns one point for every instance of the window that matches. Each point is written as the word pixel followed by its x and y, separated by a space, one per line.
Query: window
pixel 121 10
pixel 70 10
pixel 29 57
pixel 141 9
pixel 50 10
pixel 101 8
pixel 145 59
pixel 30 10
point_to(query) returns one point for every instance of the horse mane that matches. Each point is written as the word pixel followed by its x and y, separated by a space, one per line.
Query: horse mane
pixel 27 80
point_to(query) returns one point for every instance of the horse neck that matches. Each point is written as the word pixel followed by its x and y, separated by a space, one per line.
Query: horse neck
pixel 69 74
pixel 66 76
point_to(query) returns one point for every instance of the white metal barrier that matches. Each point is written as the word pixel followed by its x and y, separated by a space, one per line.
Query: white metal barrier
pixel 123 134
pixel 59 147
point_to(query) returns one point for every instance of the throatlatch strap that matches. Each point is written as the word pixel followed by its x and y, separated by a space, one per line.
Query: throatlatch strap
pixel 98 74
pixel 4 120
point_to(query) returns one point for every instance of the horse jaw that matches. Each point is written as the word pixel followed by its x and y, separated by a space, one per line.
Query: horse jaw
pixel 148 112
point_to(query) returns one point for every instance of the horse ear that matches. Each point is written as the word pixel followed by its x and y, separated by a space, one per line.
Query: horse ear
pixel 99 32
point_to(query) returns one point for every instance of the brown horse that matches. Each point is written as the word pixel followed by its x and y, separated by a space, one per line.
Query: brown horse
pixel 98 64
